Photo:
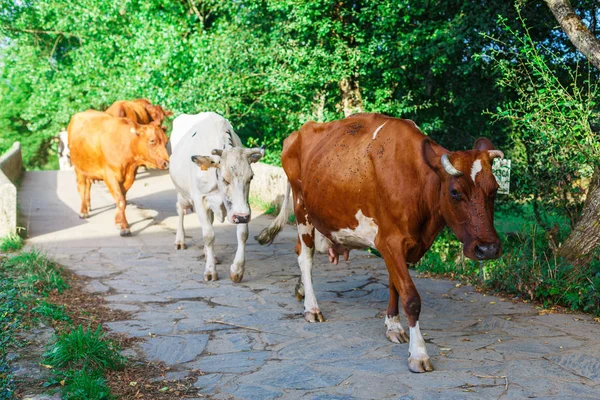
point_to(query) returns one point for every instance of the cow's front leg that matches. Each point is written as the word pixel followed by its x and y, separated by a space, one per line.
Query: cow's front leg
pixel 237 268
pixel 208 234
pixel 393 253
pixel 394 330
pixel 181 206
pixel 118 193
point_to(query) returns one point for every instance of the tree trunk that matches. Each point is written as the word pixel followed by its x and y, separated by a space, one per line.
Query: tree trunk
pixel 351 98
pixel 576 30
pixel 585 237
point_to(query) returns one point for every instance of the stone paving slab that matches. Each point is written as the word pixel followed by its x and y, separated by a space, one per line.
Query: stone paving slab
pixel 268 351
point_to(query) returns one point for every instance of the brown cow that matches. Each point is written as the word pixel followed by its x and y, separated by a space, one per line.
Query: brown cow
pixel 141 111
pixel 111 149
pixel 375 181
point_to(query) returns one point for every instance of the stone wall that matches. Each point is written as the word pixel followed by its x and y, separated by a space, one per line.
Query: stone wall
pixel 11 167
pixel 269 184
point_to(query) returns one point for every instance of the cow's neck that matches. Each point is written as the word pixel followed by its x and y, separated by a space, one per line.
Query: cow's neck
pixel 433 221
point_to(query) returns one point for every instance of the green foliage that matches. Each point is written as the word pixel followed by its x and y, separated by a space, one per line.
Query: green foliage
pixel 80 358
pixel 50 311
pixel 555 149
pixel 528 267
pixel 84 349
pixel 12 309
pixel 35 272
pixel 11 243
pixel 265 206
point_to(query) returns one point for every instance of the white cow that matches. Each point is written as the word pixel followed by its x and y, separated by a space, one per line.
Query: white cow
pixel 212 173
pixel 64 154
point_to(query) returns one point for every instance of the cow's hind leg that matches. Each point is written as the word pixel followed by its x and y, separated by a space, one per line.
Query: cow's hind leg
pixel 306 250
pixel 117 191
pixel 208 234
pixel 394 330
pixel 88 200
pixel 237 268
pixel 82 182
pixel 181 205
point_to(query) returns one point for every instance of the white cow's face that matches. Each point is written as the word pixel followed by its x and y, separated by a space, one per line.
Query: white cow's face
pixel 233 178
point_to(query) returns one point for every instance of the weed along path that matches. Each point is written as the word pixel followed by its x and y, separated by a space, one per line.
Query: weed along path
pixel 250 341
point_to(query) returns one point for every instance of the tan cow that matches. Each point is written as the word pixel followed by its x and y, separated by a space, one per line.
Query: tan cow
pixel 111 149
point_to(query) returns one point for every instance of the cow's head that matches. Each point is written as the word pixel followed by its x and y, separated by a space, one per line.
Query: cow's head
pixel 151 146
pixel 467 192
pixel 157 114
pixel 234 174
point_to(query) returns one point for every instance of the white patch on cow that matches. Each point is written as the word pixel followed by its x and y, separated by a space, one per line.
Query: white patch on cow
pixel 132 130
pixel 360 237
pixel 416 347
pixel 378 129
pixel 475 169
pixel 305 261
pixel 393 323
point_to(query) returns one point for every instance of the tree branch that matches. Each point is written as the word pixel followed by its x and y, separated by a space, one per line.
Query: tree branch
pixel 578 33
pixel 42 32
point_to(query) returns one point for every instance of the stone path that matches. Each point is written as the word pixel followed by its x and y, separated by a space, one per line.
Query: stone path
pixel 474 340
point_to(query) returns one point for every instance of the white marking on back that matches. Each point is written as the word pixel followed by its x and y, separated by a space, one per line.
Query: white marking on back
pixel 360 237
pixel 378 129
pixel 475 169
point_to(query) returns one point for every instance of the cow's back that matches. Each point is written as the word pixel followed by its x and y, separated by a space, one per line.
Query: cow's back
pixel 367 162
pixel 130 109
pixel 194 135
pixel 98 141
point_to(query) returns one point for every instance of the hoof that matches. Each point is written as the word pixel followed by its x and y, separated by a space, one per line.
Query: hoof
pixel 314 317
pixel 208 277
pixel 419 365
pixel 180 246
pixel 125 232
pixel 397 336
pixel 83 216
pixel 299 292
pixel 236 278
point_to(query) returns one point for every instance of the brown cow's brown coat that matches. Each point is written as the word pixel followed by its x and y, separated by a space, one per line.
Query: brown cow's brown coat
pixel 111 149
pixel 141 111
pixel 387 172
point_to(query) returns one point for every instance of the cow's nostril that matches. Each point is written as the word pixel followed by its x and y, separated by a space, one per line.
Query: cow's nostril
pixel 241 218
pixel 481 251
pixel 165 164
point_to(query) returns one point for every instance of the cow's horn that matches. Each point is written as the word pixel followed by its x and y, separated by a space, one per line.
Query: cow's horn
pixel 217 152
pixel 495 153
pixel 449 167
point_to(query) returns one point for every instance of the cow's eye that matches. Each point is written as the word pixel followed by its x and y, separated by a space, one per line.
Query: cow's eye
pixel 455 194
pixel 152 141
pixel 225 181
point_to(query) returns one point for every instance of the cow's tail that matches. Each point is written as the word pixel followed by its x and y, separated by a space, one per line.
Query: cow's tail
pixel 267 235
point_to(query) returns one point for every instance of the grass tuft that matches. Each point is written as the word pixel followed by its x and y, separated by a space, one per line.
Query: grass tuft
pixel 83 385
pixel 35 272
pixel 11 243
pixel 84 349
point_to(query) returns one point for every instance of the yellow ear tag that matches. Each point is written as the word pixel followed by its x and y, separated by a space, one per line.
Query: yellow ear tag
pixel 204 168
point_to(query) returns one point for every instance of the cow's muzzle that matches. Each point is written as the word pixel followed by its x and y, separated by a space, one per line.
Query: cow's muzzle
pixel 240 218
pixel 163 164
pixel 487 251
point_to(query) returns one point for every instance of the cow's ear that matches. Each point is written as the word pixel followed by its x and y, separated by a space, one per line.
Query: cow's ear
pixel 483 144
pixel 205 162
pixel 255 154
pixel 168 113
pixel 431 159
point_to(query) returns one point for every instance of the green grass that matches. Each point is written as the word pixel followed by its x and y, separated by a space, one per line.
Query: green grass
pixel 79 359
pixel 83 349
pixel 11 243
pixel 265 206
pixel 527 268
pixel 35 272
